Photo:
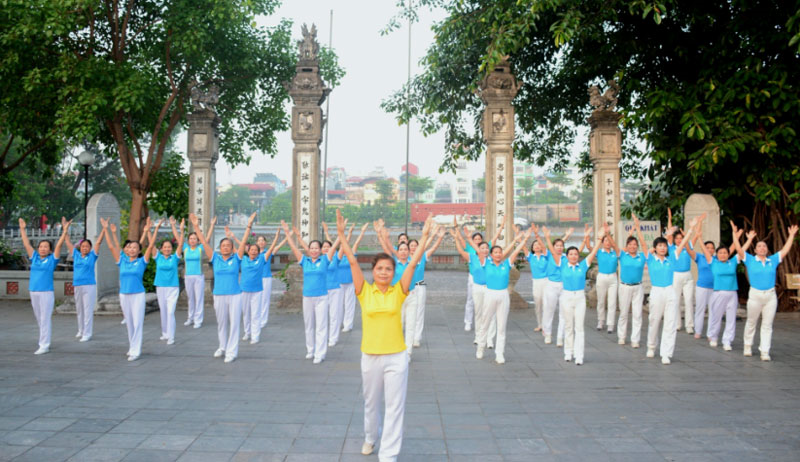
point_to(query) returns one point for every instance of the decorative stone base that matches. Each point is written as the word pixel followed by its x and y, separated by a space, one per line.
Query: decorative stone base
pixel 292 299
pixel 108 305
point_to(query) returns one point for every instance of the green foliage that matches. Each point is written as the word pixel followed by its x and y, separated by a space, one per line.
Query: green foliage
pixel 10 258
pixel 169 192
pixel 419 185
pixel 385 189
pixel 237 199
pixel 481 183
pixel 149 276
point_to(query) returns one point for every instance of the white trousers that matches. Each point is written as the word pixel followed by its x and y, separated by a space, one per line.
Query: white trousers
pixel 266 295
pixel 422 295
pixel 228 309
pixel 538 299
pixel 315 318
pixel 167 301
pixel 85 301
pixel 683 284
pixel 760 303
pixel 251 314
pixel 723 302
pixel 662 306
pixel 195 292
pixel 409 319
pixel 469 308
pixel 607 287
pixel 496 303
pixel 349 296
pixel 479 301
pixel 385 378
pixel 42 303
pixel 630 301
pixel 335 314
pixel 702 300
pixel 552 294
pixel 573 303
pixel 133 312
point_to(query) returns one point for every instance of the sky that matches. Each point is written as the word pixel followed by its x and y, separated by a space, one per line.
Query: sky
pixel 361 135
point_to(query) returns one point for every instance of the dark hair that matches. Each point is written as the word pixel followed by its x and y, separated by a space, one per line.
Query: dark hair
pixel 482 244
pixel 477 234
pixel 161 246
pixel 557 241
pixel 128 241
pixel 225 239
pixel 571 248
pixel 401 244
pixel 710 242
pixel 722 247
pixel 412 240
pixel 382 256
pixel 494 247
pixel 401 235
pixel 327 242
pixel 85 240
pixel 676 234
pixel 317 241
pixel 192 234
pixel 247 247
pixel 49 243
pixel 631 238
pixel 661 240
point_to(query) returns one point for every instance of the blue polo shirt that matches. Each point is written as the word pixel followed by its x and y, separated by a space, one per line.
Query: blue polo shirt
pixel 661 271
pixel 762 275
pixel 607 261
pixel 344 274
pixel 166 271
pixel 704 277
pixel 399 268
pixel 631 269
pixel 538 265
pixel 332 275
pixel 574 276
pixel 553 270
pixel 684 262
pixel 252 271
pixel 497 275
pixel 41 279
pixel 193 260
pixel 226 274
pixel 314 273
pixel 130 274
pixel 83 268
pixel 419 271
pixel 477 270
pixel 725 274
pixel 266 271
pixel 472 251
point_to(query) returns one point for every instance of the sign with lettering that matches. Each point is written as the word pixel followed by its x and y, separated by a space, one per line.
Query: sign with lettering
pixel 199 185
pixel 609 200
pixel 501 169
pixel 650 231
pixel 305 195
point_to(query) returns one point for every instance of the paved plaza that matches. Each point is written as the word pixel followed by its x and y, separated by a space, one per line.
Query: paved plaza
pixel 85 402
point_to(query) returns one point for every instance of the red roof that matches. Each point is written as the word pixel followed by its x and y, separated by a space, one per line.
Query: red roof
pixel 257 186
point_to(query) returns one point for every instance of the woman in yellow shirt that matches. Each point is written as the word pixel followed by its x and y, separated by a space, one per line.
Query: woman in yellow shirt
pixel 384 359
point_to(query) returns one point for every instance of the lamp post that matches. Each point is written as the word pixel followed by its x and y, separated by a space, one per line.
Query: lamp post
pixel 86 159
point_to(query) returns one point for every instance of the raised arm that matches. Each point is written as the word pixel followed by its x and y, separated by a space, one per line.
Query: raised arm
pixel 610 236
pixel 547 243
pixel 514 253
pixel 243 242
pixel 179 250
pixel 209 251
pixel 598 243
pixel 789 242
pixel 272 247
pixel 24 235
pixel 359 238
pixel 670 229
pixel 686 238
pixel 332 250
pixel 587 238
pixel 64 233
pixel 297 253
pixel 111 242
pixel 152 244
pixel 459 246
pixel 69 244
pixel 355 269
pixel 736 244
pixel 349 235
pixel 174 228
pixel 408 274
pixel 642 242
pixel 210 232
pixel 499 230
pixel 468 239
pixel 432 250
pixel 146 231
pixel 300 240
pixel 229 234
pixel 99 240
pixel 568 234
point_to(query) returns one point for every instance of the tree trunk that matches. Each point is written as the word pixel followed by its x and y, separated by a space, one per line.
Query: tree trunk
pixel 138 214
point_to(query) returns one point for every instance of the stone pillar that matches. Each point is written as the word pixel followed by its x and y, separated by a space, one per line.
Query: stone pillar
pixel 308 92
pixel 203 152
pixel 696 205
pixel 104 206
pixel 605 151
pixel 497 91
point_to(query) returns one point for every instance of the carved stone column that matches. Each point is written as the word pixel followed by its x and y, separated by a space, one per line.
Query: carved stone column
pixel 203 152
pixel 605 151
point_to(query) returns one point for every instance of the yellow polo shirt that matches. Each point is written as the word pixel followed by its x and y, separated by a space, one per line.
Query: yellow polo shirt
pixel 381 319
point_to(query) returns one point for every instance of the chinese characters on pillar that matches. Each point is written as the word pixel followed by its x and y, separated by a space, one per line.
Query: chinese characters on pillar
pixel 609 200
pixel 199 186
pixel 501 186
pixel 305 195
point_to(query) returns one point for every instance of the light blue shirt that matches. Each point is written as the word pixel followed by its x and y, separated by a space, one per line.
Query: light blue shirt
pixel 266 271
pixel 399 269
pixel 332 275
pixel 314 273
pixel 193 259
pixel 705 279
pixel 553 270
pixel 631 269
pixel 607 261
pixel 252 271
pixel 725 274
pixel 419 271
pixel 166 271
pixel 130 274
pixel 538 265
pixel 477 270
pixel 762 275
pixel 661 271
pixel 574 276
pixel 226 274
pixel 684 262
pixel 497 275
pixel 83 268
pixel 41 279
pixel 345 274
pixel 472 251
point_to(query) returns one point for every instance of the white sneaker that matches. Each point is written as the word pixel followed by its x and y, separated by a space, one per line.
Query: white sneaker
pixel 42 350
pixel 331 344
pixel 689 330
pixel 188 322
pixel 253 340
pixel 123 321
pixel 133 357
pixel 665 360
pixel 600 325
pixel 347 330
pixel 579 362
pixel 712 343
pixel 621 341
pixel 78 335
pixel 163 337
pixel 490 346
pixel 748 350
pixel 317 360
pixel 651 352
pixel 85 338
pixel 367 448
pixel 610 331
pixel 567 358
pixel 467 327
pixel 246 337
pixel 499 359
pixel 197 326
pixel 310 355
pixel 219 353
pixel 548 340
pixel 479 353
pixel 416 344
pixel 634 345
pixel 765 357
pixel 727 347
pixel 230 359
pixel 171 341
pixel 560 342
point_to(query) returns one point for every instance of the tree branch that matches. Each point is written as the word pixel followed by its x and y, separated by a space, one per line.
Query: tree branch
pixel 175 117
pixel 30 151
pixel 133 136
pixel 5 151
pixel 125 25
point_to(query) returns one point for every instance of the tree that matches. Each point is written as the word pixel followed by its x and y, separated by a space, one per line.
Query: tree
pixel 707 95
pixel 280 208
pixel 481 183
pixel 419 185
pixel 385 189
pixel 169 192
pixel 122 74
pixel 236 199
pixel 526 184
